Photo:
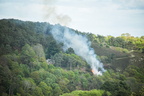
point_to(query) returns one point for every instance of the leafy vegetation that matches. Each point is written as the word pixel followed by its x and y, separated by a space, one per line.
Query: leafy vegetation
pixel 32 63
pixel 88 93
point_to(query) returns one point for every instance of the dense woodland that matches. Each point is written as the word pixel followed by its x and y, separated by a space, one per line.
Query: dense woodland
pixel 32 63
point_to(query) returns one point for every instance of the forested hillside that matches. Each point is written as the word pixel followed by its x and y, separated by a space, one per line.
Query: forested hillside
pixel 33 63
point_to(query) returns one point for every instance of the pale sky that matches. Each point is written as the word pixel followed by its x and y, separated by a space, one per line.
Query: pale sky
pixel 103 17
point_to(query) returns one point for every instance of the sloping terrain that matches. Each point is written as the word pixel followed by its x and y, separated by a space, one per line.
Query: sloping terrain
pixel 25 48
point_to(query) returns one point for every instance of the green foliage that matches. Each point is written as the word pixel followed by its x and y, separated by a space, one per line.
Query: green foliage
pixel 68 61
pixel 137 72
pixel 45 89
pixel 121 49
pixel 53 49
pixel 117 88
pixel 88 93
pixel 70 51
pixel 39 51
pixel 24 47
pixel 125 41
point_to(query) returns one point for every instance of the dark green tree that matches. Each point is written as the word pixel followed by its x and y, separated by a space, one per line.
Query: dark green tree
pixel 116 88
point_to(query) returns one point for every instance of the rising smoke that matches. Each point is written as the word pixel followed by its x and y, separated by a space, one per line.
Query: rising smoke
pixel 51 15
pixel 80 45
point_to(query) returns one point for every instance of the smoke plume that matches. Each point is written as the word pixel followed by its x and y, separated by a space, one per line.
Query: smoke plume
pixel 52 16
pixel 80 45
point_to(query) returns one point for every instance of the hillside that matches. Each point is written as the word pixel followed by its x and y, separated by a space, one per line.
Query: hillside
pixel 40 59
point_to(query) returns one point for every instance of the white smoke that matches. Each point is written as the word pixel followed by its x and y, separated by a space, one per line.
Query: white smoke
pixel 80 45
pixel 51 15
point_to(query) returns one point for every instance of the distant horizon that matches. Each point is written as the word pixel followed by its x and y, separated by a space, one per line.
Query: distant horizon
pixel 68 27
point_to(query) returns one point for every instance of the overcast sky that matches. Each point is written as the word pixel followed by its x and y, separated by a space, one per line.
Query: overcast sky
pixel 104 17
